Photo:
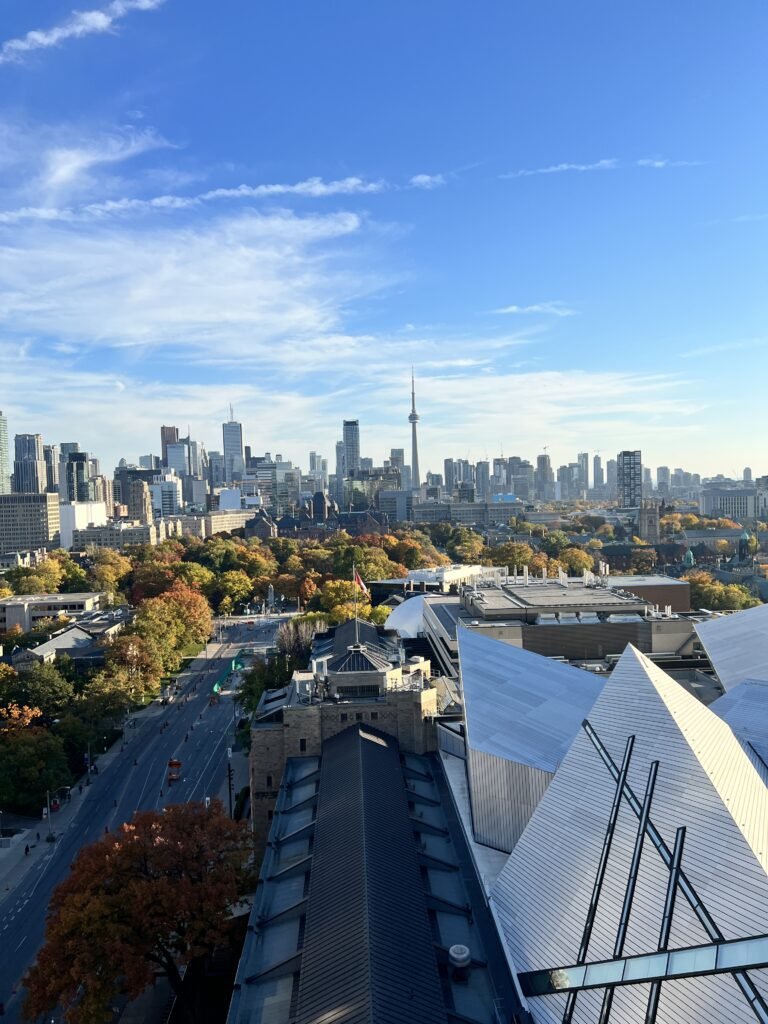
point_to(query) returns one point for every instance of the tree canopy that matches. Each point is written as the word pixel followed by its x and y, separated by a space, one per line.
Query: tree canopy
pixel 144 900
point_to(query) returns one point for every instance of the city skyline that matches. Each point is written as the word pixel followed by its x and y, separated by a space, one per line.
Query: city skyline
pixel 380 452
pixel 558 255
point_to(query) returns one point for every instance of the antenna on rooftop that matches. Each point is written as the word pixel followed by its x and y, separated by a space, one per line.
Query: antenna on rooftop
pixel 231 413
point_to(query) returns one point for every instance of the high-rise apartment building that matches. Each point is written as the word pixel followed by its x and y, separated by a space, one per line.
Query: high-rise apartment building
pixel 450 474
pixel 5 461
pixel 746 475
pixel 598 477
pixel 482 481
pixel 544 478
pixel 168 435
pixel 583 461
pixel 29 476
pixel 611 476
pixel 234 460
pixel 139 501
pixel 29 522
pixel 52 456
pixel 74 486
pixel 351 435
pixel 629 478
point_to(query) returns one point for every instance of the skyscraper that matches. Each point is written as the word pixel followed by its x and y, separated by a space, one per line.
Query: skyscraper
pixel 629 478
pixel 583 461
pixel 168 435
pixel 351 435
pixel 413 419
pixel 597 472
pixel 29 476
pixel 5 462
pixel 234 462
pixel 52 455
pixel 74 486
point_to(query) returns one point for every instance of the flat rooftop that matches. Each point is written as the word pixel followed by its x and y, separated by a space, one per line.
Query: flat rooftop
pixel 23 599
pixel 516 599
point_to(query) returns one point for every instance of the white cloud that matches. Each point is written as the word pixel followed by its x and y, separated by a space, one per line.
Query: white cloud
pixel 726 346
pixel 79 24
pixel 611 164
pixel 229 289
pixel 600 165
pixel 459 406
pixel 427 181
pixel 65 165
pixel 545 308
pixel 69 163
pixel 658 163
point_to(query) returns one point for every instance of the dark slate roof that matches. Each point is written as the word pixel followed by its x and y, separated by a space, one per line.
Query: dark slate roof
pixel 338 639
pixel 359 658
pixel 368 955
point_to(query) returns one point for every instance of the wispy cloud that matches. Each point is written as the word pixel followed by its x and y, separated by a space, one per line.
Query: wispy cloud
pixel 78 25
pixel 230 288
pixel 65 165
pixel 599 165
pixel 611 164
pixel 427 181
pixel 659 163
pixel 545 308
pixel 725 346
pixel 750 218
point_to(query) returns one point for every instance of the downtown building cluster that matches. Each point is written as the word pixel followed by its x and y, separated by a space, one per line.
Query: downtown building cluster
pixel 58 494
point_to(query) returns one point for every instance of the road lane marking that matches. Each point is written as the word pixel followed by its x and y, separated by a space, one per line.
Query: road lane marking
pixel 21 943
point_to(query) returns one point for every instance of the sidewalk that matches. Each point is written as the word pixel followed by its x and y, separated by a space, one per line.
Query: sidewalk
pixel 14 863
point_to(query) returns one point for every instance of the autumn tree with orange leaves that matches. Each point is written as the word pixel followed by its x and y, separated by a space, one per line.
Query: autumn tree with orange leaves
pixel 142 901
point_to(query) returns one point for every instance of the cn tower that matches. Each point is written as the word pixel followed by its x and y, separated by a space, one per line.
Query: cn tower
pixel 413 419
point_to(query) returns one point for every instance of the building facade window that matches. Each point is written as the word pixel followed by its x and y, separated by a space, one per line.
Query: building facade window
pixel 269 782
pixel 302 744
pixel 374 716
pixel 343 716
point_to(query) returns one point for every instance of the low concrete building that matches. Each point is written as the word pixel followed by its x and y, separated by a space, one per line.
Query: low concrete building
pixel 26 610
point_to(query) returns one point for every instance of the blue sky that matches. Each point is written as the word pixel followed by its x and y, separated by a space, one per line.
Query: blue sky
pixel 555 211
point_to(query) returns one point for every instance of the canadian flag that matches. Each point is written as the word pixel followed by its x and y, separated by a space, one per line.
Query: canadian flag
pixel 359 582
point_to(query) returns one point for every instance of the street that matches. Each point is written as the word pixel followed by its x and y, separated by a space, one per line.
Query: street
pixel 187 729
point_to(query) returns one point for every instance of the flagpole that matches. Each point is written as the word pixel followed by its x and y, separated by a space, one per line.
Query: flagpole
pixel 354 584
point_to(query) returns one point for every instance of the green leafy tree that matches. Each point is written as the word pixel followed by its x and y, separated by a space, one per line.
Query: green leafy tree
pixel 554 542
pixel 107 569
pixel 465 546
pixel 236 585
pixel 40 686
pixel 707 592
pixel 32 761
pixel 576 561
pixel 512 554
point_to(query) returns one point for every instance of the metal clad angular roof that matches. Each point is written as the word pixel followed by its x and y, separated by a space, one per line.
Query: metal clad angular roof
pixel 706 782
pixel 737 645
pixel 368 956
pixel 519 705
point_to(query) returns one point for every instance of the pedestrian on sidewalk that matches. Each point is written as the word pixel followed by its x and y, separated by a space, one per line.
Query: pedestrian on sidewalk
pixel 26 850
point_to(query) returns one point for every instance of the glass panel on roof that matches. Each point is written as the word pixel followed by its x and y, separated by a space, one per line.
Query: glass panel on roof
pixel 605 973
pixel 642 967
pixel 743 953
pixel 692 961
